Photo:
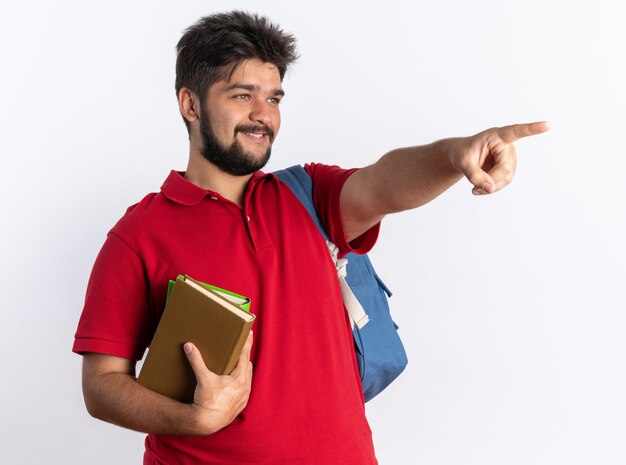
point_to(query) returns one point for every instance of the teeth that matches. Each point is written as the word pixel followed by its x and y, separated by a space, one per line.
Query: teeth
pixel 258 136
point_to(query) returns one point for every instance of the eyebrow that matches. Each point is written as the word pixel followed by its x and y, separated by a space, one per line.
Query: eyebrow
pixel 252 87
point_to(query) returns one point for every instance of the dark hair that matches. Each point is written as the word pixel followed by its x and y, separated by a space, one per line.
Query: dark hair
pixel 217 44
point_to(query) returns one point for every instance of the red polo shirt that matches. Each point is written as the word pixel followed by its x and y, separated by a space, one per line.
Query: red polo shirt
pixel 306 403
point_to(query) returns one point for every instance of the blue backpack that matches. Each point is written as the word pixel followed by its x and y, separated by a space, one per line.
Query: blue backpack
pixel 379 351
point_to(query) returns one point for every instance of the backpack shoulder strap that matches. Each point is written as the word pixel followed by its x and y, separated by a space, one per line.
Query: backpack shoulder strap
pixel 379 339
pixel 302 187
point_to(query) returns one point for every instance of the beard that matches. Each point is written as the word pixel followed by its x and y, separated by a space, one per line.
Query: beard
pixel 233 159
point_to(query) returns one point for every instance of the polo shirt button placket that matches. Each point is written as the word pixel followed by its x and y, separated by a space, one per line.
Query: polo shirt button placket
pixel 250 231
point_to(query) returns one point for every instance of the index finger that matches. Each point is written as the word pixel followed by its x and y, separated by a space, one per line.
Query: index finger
pixel 510 134
pixel 247 347
pixel 244 358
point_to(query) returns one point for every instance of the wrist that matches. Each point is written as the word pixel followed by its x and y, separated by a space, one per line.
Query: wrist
pixel 448 151
pixel 204 422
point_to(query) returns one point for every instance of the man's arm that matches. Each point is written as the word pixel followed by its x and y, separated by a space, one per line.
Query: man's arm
pixel 113 394
pixel 410 177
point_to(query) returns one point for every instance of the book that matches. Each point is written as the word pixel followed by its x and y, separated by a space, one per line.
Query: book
pixel 213 321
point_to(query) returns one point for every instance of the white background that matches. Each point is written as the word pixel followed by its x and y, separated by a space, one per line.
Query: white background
pixel 511 306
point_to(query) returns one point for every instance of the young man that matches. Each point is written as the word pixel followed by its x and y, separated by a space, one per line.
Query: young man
pixel 225 222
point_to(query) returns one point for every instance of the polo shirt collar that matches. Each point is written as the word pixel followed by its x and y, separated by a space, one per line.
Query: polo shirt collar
pixel 178 189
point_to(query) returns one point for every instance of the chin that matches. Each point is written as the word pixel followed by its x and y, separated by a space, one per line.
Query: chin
pixel 257 152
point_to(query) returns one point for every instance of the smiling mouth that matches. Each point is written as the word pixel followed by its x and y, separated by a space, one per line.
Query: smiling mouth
pixel 256 132
pixel 256 135
pixel 258 138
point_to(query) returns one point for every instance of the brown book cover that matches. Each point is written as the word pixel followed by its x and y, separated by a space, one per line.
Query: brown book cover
pixel 218 329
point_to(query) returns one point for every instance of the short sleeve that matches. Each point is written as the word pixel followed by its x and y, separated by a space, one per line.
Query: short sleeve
pixel 116 318
pixel 328 180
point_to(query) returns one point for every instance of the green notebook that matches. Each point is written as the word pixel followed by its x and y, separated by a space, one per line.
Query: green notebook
pixel 239 300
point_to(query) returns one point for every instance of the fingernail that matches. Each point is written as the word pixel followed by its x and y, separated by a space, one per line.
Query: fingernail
pixel 188 347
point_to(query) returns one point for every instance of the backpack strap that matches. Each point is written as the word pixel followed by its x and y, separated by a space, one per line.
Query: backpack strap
pixel 379 353
pixel 301 185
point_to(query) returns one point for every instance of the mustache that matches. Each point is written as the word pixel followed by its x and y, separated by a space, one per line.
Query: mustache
pixel 255 128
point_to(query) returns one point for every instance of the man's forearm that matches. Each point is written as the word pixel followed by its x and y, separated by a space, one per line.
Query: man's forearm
pixel 409 177
pixel 117 398
pixel 113 394
pixel 402 179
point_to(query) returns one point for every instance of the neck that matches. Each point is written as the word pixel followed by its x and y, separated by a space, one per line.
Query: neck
pixel 206 175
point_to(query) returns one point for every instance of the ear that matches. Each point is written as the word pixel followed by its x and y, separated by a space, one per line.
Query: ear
pixel 188 104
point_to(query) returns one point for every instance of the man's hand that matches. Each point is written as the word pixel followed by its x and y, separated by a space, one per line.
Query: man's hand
pixel 219 399
pixel 488 159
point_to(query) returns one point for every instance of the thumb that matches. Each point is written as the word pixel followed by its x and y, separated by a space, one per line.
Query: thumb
pixel 196 361
pixel 482 182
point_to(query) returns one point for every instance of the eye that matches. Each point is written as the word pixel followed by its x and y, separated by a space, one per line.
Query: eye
pixel 244 97
pixel 274 100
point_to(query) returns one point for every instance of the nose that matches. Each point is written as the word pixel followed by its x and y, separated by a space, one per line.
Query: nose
pixel 262 112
